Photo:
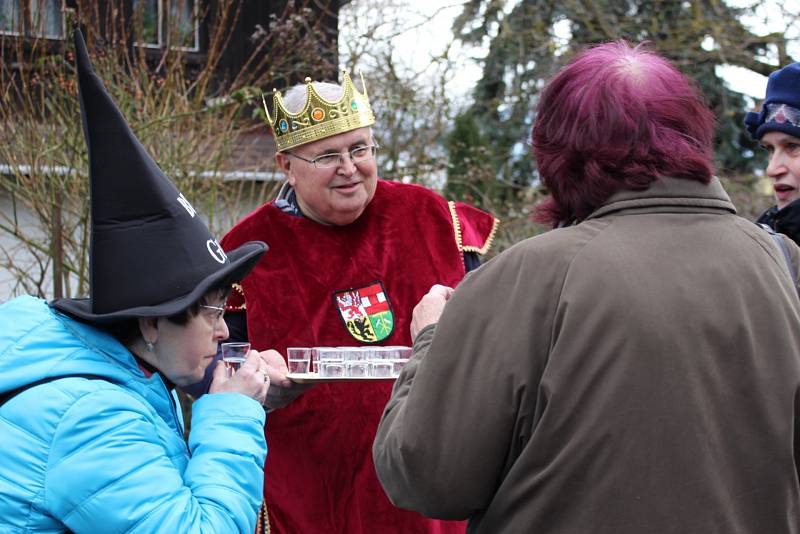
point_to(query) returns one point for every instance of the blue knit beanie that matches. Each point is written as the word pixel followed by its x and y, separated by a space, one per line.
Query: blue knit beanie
pixel 781 109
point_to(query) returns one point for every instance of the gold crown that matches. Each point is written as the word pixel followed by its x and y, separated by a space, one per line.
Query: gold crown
pixel 319 118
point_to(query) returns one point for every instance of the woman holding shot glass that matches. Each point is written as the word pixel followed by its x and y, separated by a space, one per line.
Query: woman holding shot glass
pixel 92 438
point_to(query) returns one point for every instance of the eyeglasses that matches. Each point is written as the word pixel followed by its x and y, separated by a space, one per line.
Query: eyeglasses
pixel 334 159
pixel 219 312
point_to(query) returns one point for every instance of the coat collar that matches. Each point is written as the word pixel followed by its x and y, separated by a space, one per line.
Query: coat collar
pixel 669 193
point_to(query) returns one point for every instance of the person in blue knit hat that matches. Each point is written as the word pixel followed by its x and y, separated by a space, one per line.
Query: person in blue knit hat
pixel 777 126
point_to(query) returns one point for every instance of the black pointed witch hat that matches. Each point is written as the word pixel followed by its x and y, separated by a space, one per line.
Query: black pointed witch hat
pixel 150 254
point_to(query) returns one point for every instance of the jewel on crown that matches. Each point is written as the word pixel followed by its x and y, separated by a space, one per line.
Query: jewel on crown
pixel 319 118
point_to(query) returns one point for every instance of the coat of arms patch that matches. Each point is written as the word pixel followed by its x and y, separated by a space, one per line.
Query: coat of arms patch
pixel 366 312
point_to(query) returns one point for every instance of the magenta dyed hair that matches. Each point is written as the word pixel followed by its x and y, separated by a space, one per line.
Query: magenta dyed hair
pixel 617 117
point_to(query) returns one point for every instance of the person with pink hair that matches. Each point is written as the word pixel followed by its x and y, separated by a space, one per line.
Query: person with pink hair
pixel 636 369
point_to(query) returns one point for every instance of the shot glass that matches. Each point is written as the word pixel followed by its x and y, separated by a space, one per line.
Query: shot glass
pixel 353 354
pixel 356 368
pixel 398 355
pixel 234 354
pixel 331 369
pixel 299 359
pixel 404 353
pixel 397 366
pixel 379 365
pixel 387 352
pixel 330 354
pixel 369 353
pixel 322 356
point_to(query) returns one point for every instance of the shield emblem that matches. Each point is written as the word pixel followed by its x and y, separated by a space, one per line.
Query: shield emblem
pixel 366 312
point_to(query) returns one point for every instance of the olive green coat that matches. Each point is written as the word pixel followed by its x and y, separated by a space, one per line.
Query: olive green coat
pixel 637 373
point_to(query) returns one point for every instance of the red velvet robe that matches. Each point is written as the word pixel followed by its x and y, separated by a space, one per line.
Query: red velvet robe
pixel 319 476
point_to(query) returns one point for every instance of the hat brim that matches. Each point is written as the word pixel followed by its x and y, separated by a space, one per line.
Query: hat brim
pixel 242 260
pixel 772 126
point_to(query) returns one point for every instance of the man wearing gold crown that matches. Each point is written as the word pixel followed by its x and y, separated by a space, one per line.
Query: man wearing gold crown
pixel 350 255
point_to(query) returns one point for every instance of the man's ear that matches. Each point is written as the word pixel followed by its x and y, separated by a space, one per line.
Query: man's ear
pixel 284 163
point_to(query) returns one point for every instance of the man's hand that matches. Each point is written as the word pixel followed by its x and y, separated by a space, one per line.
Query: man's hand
pixel 282 391
pixel 429 308
pixel 276 368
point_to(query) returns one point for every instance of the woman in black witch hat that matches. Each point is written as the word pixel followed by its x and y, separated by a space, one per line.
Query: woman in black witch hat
pixel 92 440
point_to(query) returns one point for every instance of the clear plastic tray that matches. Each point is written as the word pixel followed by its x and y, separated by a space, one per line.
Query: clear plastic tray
pixel 346 364
pixel 314 378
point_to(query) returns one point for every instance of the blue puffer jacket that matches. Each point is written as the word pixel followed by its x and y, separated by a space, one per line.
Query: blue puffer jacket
pixel 97 455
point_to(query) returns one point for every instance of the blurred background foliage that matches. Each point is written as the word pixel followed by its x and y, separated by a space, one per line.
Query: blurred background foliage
pixel 190 113
pixel 481 149
pixel 532 39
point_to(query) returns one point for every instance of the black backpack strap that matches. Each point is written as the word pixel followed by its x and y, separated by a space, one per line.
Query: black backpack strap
pixel 783 248
pixel 8 395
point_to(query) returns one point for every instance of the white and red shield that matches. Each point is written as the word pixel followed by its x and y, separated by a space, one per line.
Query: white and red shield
pixel 366 312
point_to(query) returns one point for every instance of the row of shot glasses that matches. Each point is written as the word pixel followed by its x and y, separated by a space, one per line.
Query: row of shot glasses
pixel 348 362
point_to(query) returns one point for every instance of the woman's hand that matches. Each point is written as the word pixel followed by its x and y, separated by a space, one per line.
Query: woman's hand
pixel 252 378
pixel 429 308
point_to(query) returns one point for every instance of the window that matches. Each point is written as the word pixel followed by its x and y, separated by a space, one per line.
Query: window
pixel 32 18
pixel 147 21
pixel 9 17
pixel 177 25
pixel 184 16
